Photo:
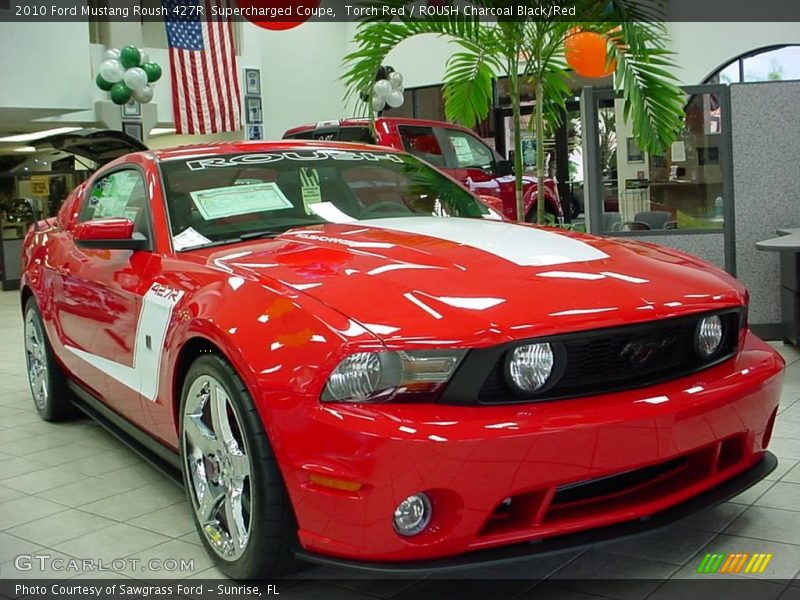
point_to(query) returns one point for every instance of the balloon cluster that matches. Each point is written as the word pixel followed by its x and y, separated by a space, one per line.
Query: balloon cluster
pixel 128 73
pixel 387 90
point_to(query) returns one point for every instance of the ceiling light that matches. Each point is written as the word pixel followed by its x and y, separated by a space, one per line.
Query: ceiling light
pixel 25 149
pixel 161 131
pixel 29 137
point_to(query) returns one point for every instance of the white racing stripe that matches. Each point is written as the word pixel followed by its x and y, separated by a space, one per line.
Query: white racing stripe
pixel 151 331
pixel 524 246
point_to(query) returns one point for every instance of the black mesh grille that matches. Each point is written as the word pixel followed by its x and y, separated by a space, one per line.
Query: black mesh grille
pixel 620 358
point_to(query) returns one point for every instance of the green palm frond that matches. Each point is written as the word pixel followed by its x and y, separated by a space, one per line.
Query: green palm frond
pixel 468 80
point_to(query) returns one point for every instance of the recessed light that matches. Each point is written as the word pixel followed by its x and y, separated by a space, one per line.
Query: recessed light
pixel 29 137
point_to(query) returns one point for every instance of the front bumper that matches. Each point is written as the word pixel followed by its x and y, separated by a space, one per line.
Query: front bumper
pixel 527 550
pixel 573 469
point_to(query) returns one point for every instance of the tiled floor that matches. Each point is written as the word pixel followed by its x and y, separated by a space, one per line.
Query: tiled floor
pixel 72 490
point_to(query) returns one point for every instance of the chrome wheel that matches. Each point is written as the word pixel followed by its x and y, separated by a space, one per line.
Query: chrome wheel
pixel 36 358
pixel 217 465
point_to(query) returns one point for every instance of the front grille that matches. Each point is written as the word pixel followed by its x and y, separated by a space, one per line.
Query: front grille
pixel 620 358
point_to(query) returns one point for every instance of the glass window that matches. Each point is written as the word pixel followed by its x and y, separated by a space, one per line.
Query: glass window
pixel 767 64
pixel 469 152
pixel 228 198
pixel 681 189
pixel 422 143
pixel 119 195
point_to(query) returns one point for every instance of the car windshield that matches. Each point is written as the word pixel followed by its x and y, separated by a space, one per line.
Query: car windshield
pixel 221 199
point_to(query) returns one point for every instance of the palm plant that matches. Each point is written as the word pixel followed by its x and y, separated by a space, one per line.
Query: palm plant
pixel 533 50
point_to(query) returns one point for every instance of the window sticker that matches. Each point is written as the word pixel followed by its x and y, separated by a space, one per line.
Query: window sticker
pixel 111 206
pixel 130 213
pixel 310 190
pixel 189 238
pixel 218 203
pixel 463 150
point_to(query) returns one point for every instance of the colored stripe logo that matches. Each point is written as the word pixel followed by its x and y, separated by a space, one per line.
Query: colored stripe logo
pixel 735 562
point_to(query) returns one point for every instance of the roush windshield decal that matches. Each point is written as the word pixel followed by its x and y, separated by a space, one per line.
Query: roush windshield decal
pixel 272 157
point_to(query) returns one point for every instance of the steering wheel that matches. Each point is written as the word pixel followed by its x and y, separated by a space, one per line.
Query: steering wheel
pixel 385 206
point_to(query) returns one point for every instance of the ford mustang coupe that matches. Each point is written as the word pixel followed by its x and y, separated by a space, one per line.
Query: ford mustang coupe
pixel 353 360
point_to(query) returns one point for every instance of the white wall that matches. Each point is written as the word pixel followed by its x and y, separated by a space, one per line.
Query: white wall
pixel 702 48
pixel 300 68
pixel 45 65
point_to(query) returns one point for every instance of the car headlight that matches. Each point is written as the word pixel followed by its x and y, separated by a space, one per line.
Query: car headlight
pixel 709 336
pixel 530 366
pixel 382 376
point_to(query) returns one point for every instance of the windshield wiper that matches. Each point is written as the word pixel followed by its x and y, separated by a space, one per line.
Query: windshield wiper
pixel 234 240
pixel 254 235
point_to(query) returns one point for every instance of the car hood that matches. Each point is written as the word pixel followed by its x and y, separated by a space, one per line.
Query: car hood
pixel 464 281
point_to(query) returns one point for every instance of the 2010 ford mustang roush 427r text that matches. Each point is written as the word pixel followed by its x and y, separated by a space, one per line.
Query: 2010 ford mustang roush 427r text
pixel 351 359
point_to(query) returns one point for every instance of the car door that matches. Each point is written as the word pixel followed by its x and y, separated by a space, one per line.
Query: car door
pixel 99 306
pixel 472 162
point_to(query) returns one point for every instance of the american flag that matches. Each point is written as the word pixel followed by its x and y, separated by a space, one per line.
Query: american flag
pixel 205 81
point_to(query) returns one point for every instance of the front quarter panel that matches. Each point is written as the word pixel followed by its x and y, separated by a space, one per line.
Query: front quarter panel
pixel 282 343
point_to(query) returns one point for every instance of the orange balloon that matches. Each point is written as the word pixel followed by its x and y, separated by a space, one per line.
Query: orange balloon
pixel 587 53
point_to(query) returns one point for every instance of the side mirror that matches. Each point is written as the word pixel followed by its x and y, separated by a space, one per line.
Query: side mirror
pixel 504 167
pixel 494 203
pixel 109 234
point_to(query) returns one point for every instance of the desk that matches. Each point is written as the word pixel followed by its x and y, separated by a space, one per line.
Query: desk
pixel 788 244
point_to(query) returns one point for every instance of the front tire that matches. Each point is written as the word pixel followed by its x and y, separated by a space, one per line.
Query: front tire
pixel 241 510
pixel 48 383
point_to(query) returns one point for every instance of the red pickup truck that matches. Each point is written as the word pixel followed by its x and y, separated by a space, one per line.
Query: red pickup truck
pixel 455 150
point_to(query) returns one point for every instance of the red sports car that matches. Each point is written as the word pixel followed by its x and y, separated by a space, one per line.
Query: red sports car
pixel 351 360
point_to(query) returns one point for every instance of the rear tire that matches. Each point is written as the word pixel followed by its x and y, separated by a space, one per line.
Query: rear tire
pixel 48 383
pixel 241 509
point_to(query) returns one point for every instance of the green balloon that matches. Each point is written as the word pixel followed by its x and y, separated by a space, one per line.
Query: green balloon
pixel 120 93
pixel 153 71
pixel 130 56
pixel 102 83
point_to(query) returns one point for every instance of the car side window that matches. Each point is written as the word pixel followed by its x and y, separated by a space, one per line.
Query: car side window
pixel 422 143
pixel 121 194
pixel 469 151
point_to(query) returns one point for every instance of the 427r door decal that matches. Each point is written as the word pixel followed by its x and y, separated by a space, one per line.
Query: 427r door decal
pixel 151 331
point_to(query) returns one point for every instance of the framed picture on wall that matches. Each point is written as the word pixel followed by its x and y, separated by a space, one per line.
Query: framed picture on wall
pixel 131 109
pixel 255 132
pixel 635 154
pixel 253 110
pixel 134 130
pixel 252 82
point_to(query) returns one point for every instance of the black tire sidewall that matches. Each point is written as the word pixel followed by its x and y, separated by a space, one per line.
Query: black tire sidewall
pixel 58 406
pixel 273 529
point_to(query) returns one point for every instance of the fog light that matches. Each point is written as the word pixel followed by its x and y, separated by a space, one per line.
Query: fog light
pixel 709 336
pixel 412 515
pixel 530 366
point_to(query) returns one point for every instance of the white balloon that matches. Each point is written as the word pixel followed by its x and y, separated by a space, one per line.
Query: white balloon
pixel 135 78
pixel 395 99
pixel 396 80
pixel 112 54
pixel 112 71
pixel 378 104
pixel 144 95
pixel 145 56
pixel 382 89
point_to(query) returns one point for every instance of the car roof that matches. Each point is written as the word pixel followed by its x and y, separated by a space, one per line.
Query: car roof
pixel 365 122
pixel 199 150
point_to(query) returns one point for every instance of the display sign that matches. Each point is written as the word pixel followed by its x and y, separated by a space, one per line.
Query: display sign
pixel 40 185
